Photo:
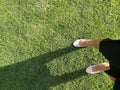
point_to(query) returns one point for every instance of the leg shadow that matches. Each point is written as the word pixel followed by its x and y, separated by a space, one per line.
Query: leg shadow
pixel 32 74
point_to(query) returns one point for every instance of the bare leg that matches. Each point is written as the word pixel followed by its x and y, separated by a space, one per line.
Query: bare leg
pixel 103 67
pixel 96 44
pixel 112 78
pixel 90 43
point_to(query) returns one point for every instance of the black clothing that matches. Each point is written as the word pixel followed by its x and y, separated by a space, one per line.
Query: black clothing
pixel 111 51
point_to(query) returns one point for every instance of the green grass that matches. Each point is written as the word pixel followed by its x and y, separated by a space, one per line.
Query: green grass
pixel 36 37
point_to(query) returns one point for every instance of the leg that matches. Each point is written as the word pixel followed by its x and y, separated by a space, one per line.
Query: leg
pixel 112 78
pixel 90 43
pixel 100 67
pixel 96 44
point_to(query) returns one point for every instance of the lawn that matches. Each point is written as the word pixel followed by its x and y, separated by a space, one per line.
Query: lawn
pixel 36 37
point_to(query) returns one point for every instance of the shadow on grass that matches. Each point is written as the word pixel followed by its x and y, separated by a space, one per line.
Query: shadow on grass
pixel 32 74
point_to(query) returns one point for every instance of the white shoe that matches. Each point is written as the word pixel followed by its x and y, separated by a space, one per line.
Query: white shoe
pixel 90 71
pixel 77 43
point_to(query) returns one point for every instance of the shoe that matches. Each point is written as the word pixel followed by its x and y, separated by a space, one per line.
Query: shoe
pixel 89 69
pixel 77 43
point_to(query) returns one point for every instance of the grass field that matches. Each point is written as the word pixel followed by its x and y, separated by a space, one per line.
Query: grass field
pixel 36 38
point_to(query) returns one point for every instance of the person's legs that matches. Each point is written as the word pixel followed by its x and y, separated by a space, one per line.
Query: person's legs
pixel 112 78
pixel 101 67
pixel 90 43
pixel 96 44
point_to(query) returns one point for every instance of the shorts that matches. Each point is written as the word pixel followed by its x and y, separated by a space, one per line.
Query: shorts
pixel 111 51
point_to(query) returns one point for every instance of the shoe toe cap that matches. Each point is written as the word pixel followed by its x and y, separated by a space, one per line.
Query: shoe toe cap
pixel 76 43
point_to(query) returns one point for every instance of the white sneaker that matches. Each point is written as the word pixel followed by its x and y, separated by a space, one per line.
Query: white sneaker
pixel 90 71
pixel 77 43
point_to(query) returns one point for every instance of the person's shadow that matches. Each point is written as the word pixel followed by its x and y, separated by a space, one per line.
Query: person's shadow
pixel 33 74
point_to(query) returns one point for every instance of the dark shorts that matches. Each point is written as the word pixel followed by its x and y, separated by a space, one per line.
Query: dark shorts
pixel 111 51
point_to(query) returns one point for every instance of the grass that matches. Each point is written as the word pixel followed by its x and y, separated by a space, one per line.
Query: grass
pixel 36 37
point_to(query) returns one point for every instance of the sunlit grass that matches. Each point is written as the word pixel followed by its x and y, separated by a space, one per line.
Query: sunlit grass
pixel 36 38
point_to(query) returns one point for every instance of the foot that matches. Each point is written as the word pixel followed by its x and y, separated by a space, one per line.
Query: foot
pixel 80 43
pixel 98 68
